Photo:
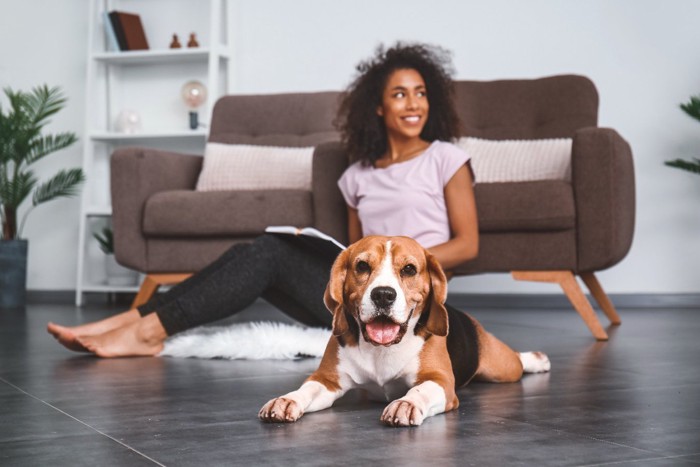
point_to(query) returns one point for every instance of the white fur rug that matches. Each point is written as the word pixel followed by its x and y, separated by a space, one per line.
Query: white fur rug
pixel 249 341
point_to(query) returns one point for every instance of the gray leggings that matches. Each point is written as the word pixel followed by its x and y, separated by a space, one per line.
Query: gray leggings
pixel 286 273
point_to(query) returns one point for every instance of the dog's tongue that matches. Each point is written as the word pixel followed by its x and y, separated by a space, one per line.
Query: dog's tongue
pixel 382 332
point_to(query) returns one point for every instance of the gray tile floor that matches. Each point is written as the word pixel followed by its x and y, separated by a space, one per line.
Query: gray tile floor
pixel 634 400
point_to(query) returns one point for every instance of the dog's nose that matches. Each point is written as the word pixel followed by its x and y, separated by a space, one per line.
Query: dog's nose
pixel 383 296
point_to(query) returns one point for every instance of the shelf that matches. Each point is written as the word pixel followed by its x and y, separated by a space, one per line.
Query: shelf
pixel 149 81
pixel 136 57
pixel 98 211
pixel 109 288
pixel 113 136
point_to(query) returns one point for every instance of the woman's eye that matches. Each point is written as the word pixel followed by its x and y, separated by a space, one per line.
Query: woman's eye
pixel 399 95
pixel 362 267
pixel 409 270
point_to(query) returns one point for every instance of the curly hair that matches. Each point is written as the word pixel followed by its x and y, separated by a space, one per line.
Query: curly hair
pixel 363 131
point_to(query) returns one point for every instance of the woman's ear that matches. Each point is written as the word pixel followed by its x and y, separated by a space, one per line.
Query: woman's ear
pixel 333 297
pixel 438 322
pixel 380 111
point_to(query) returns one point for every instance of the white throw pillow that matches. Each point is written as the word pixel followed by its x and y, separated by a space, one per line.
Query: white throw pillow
pixel 519 160
pixel 248 167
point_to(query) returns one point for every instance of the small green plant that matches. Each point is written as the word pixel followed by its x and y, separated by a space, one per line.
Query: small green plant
pixel 692 108
pixel 21 145
pixel 106 240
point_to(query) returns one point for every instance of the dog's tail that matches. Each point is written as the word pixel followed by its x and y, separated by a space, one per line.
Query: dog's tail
pixel 534 362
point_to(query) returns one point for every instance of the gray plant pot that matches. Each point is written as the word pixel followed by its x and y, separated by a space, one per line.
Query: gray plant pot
pixel 13 273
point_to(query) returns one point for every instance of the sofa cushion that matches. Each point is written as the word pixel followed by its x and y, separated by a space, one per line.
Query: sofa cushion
pixel 224 213
pixel 525 206
pixel 250 167
pixel 519 160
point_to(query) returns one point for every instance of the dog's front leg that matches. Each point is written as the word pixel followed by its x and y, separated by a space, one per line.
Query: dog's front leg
pixel 310 397
pixel 424 400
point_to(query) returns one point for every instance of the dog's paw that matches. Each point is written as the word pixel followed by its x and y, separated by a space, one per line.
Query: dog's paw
pixel 535 362
pixel 280 410
pixel 402 413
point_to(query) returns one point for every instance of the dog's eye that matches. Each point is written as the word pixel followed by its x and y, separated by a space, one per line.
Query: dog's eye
pixel 362 267
pixel 409 270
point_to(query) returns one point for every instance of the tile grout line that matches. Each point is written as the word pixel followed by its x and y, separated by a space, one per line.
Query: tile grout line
pixel 82 422
pixel 681 456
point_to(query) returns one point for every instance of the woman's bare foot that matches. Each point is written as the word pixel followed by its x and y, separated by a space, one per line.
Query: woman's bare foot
pixel 142 338
pixel 67 335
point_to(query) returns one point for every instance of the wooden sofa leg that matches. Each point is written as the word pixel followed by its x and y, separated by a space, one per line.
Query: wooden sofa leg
pixel 152 283
pixel 572 289
pixel 601 297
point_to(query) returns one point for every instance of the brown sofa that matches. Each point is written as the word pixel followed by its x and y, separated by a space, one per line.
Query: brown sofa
pixel 544 231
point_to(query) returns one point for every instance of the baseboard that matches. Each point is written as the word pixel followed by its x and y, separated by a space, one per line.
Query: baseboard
pixel 67 297
pixel 551 301
pixel 461 300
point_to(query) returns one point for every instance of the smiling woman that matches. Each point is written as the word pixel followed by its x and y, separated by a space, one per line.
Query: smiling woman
pixel 397 121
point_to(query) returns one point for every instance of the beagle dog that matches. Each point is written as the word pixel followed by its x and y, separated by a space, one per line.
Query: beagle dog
pixel 390 336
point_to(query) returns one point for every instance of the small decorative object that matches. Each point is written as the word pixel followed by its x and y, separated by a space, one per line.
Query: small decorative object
pixel 128 121
pixel 175 43
pixel 117 274
pixel 692 108
pixel 21 129
pixel 193 41
pixel 194 94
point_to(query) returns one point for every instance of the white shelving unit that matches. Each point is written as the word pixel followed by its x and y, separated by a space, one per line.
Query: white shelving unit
pixel 148 82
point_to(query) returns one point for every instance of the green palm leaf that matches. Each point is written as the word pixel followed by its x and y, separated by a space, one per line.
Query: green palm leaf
pixel 16 189
pixel 41 147
pixel 63 184
pixel 44 102
pixel 692 107
pixel 690 166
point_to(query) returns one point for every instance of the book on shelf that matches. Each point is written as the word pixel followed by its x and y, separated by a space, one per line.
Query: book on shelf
pixel 111 36
pixel 310 237
pixel 129 30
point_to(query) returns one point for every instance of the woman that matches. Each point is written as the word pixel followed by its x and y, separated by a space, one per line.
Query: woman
pixel 396 120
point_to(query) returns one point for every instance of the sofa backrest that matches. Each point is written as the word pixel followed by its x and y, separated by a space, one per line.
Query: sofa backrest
pixel 295 119
pixel 552 107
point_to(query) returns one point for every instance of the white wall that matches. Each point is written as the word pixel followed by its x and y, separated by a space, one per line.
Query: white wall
pixel 642 55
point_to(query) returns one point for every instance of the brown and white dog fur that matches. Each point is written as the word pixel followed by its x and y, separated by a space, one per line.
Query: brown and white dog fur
pixel 390 336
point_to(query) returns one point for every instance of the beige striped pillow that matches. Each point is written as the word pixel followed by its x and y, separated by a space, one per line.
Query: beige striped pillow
pixel 248 167
pixel 519 160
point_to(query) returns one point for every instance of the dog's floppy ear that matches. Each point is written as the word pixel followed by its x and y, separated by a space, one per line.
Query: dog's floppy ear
pixel 333 297
pixel 437 322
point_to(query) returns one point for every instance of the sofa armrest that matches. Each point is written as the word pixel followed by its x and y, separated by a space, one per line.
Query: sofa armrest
pixel 330 214
pixel 604 194
pixel 136 174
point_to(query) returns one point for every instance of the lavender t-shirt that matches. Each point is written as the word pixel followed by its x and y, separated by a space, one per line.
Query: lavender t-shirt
pixel 405 198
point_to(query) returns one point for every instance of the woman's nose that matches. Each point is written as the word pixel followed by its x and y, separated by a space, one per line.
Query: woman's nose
pixel 411 102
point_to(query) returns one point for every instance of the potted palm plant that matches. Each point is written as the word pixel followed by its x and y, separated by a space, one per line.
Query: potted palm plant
pixel 692 108
pixel 22 143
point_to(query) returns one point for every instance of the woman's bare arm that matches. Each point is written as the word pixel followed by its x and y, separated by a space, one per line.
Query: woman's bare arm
pixel 461 211
pixel 354 225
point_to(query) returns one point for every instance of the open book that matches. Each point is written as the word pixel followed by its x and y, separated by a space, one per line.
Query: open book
pixel 311 237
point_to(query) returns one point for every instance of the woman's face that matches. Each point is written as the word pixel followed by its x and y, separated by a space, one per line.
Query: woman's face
pixel 404 104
